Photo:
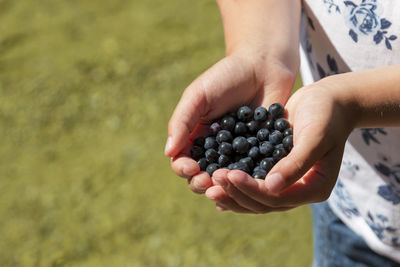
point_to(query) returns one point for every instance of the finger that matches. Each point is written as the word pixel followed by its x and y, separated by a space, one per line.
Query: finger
pixel 182 164
pixel 256 190
pixel 191 107
pixel 218 195
pixel 317 183
pixel 241 198
pixel 308 148
pixel 200 182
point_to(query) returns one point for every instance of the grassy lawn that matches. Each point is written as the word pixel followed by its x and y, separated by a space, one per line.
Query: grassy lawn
pixel 86 91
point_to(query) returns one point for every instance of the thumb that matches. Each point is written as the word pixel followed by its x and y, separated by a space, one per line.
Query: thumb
pixel 306 151
pixel 191 107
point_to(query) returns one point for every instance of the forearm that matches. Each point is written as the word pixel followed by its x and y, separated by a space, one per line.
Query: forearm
pixel 269 27
pixel 372 97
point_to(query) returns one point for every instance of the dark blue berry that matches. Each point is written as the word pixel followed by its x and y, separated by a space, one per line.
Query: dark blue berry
pixel 281 124
pixel 199 141
pixel 266 148
pixel 278 154
pixel 254 152
pixel 276 110
pixel 197 152
pixel 275 137
pixel 248 161
pixel 253 141
pixel 212 168
pixel 241 166
pixel 225 148
pixel 210 142
pixel 202 163
pixel 230 166
pixel 228 123
pixel 212 155
pixel 240 145
pixel 279 146
pixel 269 124
pixel 245 114
pixel 288 142
pixel 253 126
pixel 263 134
pixel 240 128
pixel 215 128
pixel 256 168
pixel 259 174
pixel 288 131
pixel 267 164
pixel 260 114
pixel 224 160
pixel 224 136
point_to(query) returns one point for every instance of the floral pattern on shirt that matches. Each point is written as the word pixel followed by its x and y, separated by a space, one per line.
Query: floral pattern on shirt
pixel 365 19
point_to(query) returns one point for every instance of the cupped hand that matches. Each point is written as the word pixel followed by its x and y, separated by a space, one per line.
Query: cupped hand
pixel 321 124
pixel 238 79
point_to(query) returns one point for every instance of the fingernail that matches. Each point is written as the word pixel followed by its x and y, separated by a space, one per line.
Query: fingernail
pixel 275 182
pixel 168 145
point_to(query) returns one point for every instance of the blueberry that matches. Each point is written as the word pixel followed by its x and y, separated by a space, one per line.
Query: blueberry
pixel 240 128
pixel 253 126
pixel 240 145
pixel 275 137
pixel 263 134
pixel 212 168
pixel 210 142
pixel 278 154
pixel 260 114
pixel 259 174
pixel 256 168
pixel 230 166
pixel 276 110
pixel 223 136
pixel 199 141
pixel 202 163
pixel 288 131
pixel 288 142
pixel 225 148
pixel 197 152
pixel 281 124
pixel 215 128
pixel 228 123
pixel 253 141
pixel 248 161
pixel 212 155
pixel 245 113
pixel 254 152
pixel 241 166
pixel 266 148
pixel 269 124
pixel 279 146
pixel 224 161
pixel 267 164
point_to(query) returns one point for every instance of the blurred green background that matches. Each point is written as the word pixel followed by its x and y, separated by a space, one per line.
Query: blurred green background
pixel 86 91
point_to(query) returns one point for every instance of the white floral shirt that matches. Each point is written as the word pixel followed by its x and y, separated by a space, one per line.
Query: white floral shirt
pixel 340 36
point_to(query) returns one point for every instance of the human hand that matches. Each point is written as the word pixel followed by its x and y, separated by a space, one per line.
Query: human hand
pixel 238 79
pixel 321 125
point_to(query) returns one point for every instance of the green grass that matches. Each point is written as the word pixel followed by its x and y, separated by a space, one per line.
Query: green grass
pixel 86 91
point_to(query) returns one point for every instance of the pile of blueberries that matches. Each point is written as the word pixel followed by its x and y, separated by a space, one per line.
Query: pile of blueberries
pixel 251 141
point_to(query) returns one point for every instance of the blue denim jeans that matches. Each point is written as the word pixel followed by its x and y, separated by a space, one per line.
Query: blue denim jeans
pixel 335 245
